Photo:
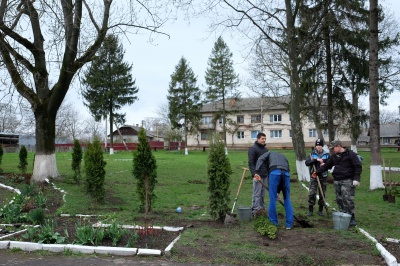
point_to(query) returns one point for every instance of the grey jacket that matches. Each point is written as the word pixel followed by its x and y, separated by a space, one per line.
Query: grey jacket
pixel 273 160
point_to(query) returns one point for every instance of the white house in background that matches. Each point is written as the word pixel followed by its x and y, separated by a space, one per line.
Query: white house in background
pixel 251 116
pixel 130 134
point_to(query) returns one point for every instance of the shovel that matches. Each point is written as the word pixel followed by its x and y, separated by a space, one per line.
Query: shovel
pixel 302 222
pixel 386 196
pixel 321 192
pixel 229 218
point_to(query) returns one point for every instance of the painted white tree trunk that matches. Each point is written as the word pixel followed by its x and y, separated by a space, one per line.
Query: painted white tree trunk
pixel 226 151
pixel 354 148
pixel 186 151
pixel 375 177
pixel 45 167
pixel 111 151
pixel 302 171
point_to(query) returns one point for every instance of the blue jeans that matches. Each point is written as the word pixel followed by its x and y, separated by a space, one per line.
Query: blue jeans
pixel 282 177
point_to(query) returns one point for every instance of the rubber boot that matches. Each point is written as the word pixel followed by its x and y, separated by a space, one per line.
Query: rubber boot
pixel 321 211
pixel 353 220
pixel 310 210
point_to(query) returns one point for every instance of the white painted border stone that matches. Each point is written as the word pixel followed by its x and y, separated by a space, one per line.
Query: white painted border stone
pixel 56 248
pixel 167 250
pixel 148 252
pixel 115 251
pixel 25 246
pixel 80 249
pixel 4 244
pixel 389 258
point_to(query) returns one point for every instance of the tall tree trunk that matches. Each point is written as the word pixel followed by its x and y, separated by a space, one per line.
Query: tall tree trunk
pixel 376 173
pixel 297 129
pixel 329 89
pixel 111 133
pixel 45 158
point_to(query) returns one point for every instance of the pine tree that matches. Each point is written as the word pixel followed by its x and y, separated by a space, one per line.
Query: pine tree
pixel 221 78
pixel 145 171
pixel 76 160
pixel 184 99
pixel 219 170
pixel 95 171
pixel 109 84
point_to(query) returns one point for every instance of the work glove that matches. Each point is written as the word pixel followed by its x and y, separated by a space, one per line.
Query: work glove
pixel 257 177
pixel 314 175
pixel 356 183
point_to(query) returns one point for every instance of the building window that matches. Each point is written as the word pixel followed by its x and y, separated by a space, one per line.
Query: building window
pixel 206 120
pixel 254 134
pixel 275 134
pixel 240 119
pixel 275 118
pixel 312 133
pixel 240 134
pixel 204 136
pixel 256 119
pixel 385 140
pixel 290 133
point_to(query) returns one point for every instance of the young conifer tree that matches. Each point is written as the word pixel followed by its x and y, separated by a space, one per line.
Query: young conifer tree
pixel 95 171
pixel 144 170
pixel 219 170
pixel 77 160
pixel 23 162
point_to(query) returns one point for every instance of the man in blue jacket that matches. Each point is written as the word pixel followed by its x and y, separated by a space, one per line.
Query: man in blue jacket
pixel 346 176
pixel 277 167
pixel 314 161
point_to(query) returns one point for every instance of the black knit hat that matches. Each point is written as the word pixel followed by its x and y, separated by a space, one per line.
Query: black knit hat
pixel 319 142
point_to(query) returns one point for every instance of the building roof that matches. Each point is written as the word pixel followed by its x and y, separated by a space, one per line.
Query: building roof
pixel 133 132
pixel 386 131
pixel 249 104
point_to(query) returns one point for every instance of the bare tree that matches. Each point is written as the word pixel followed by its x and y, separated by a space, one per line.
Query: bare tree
pixel 92 130
pixel 387 117
pixel 68 121
pixel 48 42
pixel 9 120
pixel 277 23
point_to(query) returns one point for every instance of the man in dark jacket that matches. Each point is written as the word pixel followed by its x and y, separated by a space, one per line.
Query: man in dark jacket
pixel 346 176
pixel 254 153
pixel 277 167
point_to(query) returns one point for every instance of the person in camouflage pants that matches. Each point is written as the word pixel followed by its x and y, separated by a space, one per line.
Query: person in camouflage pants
pixel 314 161
pixel 346 176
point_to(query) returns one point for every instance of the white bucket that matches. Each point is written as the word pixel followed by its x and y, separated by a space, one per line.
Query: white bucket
pixel 341 220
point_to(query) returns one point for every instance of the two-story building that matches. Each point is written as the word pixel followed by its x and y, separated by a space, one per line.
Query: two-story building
pixel 247 117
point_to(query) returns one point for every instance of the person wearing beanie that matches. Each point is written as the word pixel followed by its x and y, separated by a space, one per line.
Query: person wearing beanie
pixel 314 161
pixel 254 152
pixel 346 176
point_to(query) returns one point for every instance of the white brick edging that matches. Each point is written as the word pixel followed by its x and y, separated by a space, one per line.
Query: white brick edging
pixel 389 258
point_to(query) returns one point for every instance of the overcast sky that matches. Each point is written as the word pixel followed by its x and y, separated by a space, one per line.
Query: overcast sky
pixel 154 63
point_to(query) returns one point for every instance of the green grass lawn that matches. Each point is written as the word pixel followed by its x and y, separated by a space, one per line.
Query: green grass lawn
pixel 182 181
